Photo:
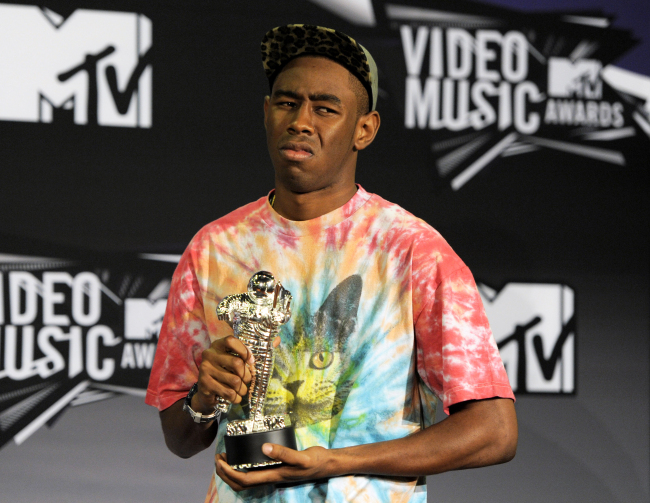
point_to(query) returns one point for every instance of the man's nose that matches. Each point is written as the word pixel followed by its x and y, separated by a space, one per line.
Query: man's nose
pixel 302 120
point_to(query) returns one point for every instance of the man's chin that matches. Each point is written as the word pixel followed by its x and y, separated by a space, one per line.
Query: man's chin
pixel 298 182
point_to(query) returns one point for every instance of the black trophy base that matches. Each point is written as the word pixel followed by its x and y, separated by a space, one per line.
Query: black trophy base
pixel 244 452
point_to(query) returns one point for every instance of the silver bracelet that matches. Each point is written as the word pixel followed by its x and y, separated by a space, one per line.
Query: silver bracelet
pixel 197 417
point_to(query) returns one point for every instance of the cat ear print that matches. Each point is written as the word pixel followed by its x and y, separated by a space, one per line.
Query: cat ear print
pixel 338 313
pixel 343 301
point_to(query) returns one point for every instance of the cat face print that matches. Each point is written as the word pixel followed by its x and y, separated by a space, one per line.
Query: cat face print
pixel 313 372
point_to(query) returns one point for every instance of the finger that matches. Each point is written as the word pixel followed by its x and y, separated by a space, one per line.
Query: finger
pixel 276 341
pixel 225 368
pixel 244 480
pixel 285 454
pixel 257 477
pixel 232 395
pixel 219 381
pixel 233 344
pixel 234 365
pixel 207 395
pixel 228 379
pixel 222 468
pixel 220 456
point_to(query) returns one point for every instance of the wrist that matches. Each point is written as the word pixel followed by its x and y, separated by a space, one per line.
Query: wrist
pixel 197 415
pixel 338 462
pixel 353 460
pixel 198 406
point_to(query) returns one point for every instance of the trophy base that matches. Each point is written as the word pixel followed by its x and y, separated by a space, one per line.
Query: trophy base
pixel 245 451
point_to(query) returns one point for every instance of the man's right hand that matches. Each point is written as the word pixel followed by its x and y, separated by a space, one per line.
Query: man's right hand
pixel 225 371
pixel 222 373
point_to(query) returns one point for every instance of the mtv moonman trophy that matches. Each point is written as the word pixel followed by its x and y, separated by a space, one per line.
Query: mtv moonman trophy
pixel 256 317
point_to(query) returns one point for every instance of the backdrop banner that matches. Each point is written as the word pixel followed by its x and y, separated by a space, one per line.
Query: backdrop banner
pixel 75 328
pixel 521 133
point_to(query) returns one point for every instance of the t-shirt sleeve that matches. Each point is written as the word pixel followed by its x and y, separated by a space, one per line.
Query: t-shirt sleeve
pixel 457 357
pixel 183 337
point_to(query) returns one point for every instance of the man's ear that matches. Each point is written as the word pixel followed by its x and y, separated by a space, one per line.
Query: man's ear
pixel 367 127
pixel 267 101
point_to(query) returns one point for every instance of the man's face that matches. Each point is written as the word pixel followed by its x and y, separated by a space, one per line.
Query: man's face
pixel 311 123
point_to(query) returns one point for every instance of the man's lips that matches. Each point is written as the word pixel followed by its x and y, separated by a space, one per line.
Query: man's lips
pixel 294 151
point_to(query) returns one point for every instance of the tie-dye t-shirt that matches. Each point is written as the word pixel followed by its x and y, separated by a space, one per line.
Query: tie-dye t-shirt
pixel 386 323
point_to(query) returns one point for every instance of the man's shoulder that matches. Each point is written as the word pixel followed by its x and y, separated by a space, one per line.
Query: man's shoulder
pixel 403 220
pixel 428 246
pixel 232 220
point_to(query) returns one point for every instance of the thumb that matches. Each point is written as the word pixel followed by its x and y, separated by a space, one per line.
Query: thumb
pixel 284 454
pixel 267 449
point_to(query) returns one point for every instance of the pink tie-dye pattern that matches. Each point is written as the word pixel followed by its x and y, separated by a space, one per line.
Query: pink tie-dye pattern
pixel 457 356
pixel 428 300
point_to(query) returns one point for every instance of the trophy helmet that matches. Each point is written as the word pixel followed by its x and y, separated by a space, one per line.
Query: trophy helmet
pixel 261 286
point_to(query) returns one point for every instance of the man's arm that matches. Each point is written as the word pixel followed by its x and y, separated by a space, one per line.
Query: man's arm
pixel 221 373
pixel 183 436
pixel 477 433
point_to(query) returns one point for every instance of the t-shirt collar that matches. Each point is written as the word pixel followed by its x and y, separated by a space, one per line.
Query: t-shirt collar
pixel 318 224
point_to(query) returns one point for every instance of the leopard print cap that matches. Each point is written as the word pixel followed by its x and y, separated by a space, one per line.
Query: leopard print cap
pixel 284 43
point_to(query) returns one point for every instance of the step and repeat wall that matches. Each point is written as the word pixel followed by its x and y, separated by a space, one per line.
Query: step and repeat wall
pixel 520 130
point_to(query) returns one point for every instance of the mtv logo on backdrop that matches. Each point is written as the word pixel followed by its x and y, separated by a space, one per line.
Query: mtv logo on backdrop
pixel 575 79
pixel 93 67
pixel 534 327
pixel 143 318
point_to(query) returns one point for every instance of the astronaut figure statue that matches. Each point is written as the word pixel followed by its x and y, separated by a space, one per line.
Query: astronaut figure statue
pixel 256 317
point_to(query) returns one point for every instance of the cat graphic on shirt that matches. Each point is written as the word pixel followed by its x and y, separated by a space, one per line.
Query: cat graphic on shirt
pixel 313 375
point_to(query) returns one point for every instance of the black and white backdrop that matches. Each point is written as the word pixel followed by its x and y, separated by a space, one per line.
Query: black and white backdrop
pixel 520 129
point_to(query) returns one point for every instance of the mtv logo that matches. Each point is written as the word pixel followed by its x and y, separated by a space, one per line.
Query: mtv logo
pixel 143 318
pixel 92 67
pixel 579 79
pixel 534 327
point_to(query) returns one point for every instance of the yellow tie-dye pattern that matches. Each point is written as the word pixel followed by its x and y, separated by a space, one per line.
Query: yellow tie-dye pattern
pixel 383 310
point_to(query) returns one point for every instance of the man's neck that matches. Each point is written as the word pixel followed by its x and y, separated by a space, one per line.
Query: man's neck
pixel 306 206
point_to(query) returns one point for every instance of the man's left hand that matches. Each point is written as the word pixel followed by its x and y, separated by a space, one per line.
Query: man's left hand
pixel 312 463
pixel 477 433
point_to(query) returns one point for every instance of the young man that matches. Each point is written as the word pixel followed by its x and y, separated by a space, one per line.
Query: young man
pixel 385 316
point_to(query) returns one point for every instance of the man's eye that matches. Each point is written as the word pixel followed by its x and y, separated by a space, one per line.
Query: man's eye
pixel 324 110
